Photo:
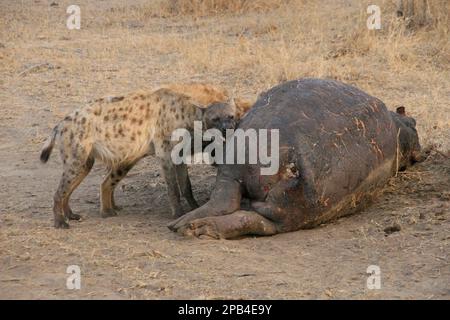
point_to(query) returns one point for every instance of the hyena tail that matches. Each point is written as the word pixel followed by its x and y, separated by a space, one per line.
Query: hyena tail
pixel 48 145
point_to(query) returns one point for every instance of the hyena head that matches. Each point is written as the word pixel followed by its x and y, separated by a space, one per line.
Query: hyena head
pixel 220 115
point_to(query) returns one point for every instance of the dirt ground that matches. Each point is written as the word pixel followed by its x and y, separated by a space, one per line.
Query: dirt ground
pixel 47 70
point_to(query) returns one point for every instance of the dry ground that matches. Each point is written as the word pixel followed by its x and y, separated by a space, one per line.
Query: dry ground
pixel 47 70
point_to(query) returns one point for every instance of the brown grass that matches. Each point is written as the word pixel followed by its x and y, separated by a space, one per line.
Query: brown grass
pixel 234 44
pixel 214 7
pixel 419 13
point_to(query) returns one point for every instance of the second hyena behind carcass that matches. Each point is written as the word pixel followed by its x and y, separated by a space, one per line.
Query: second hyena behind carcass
pixel 120 131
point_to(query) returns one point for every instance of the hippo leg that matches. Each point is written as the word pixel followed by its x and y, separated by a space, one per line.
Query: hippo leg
pixel 225 199
pixel 229 226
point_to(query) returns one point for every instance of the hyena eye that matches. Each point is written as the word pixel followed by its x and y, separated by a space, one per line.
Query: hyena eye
pixel 231 117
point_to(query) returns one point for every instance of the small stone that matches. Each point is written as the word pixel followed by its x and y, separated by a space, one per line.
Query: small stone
pixel 445 196
pixel 329 293
pixel 391 229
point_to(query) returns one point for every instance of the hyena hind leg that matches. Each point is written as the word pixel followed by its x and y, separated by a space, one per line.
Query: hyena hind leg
pixel 72 176
pixel 112 179
pixel 85 171
pixel 119 174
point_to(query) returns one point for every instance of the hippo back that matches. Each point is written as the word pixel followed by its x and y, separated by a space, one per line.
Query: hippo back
pixel 337 142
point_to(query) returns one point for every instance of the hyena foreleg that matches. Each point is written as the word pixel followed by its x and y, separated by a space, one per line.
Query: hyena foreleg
pixel 185 185
pixel 163 152
pixel 173 191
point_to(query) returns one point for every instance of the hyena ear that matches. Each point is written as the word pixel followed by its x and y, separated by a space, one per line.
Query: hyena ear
pixel 200 109
pixel 232 102
pixel 242 106
pixel 401 110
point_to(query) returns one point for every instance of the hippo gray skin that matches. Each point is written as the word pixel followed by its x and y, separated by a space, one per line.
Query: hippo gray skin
pixel 337 147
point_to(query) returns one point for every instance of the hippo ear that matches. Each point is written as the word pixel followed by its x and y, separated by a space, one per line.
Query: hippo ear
pixel 401 110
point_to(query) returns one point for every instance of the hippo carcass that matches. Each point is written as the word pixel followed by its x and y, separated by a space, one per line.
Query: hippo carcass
pixel 337 147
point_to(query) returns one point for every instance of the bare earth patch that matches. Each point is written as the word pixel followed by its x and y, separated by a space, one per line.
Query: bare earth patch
pixel 47 70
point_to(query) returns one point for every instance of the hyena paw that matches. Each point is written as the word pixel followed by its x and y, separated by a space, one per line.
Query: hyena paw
pixel 73 216
pixel 61 224
pixel 108 213
pixel 177 213
pixel 193 205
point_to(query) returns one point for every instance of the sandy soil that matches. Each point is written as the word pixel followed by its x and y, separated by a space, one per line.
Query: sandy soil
pixel 405 232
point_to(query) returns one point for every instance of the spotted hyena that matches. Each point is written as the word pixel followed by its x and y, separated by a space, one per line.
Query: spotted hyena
pixel 120 131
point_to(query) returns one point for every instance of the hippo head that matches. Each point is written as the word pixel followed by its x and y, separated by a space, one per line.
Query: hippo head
pixel 408 138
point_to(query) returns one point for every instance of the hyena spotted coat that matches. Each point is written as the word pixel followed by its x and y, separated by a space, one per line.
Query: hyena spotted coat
pixel 207 94
pixel 120 131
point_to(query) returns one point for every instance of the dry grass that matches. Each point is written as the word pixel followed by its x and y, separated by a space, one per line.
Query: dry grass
pixel 213 7
pixel 236 44
pixel 419 13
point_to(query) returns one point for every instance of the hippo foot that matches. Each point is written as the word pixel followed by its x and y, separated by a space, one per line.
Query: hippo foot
pixel 105 213
pixel 185 219
pixel 228 226
pixel 205 228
